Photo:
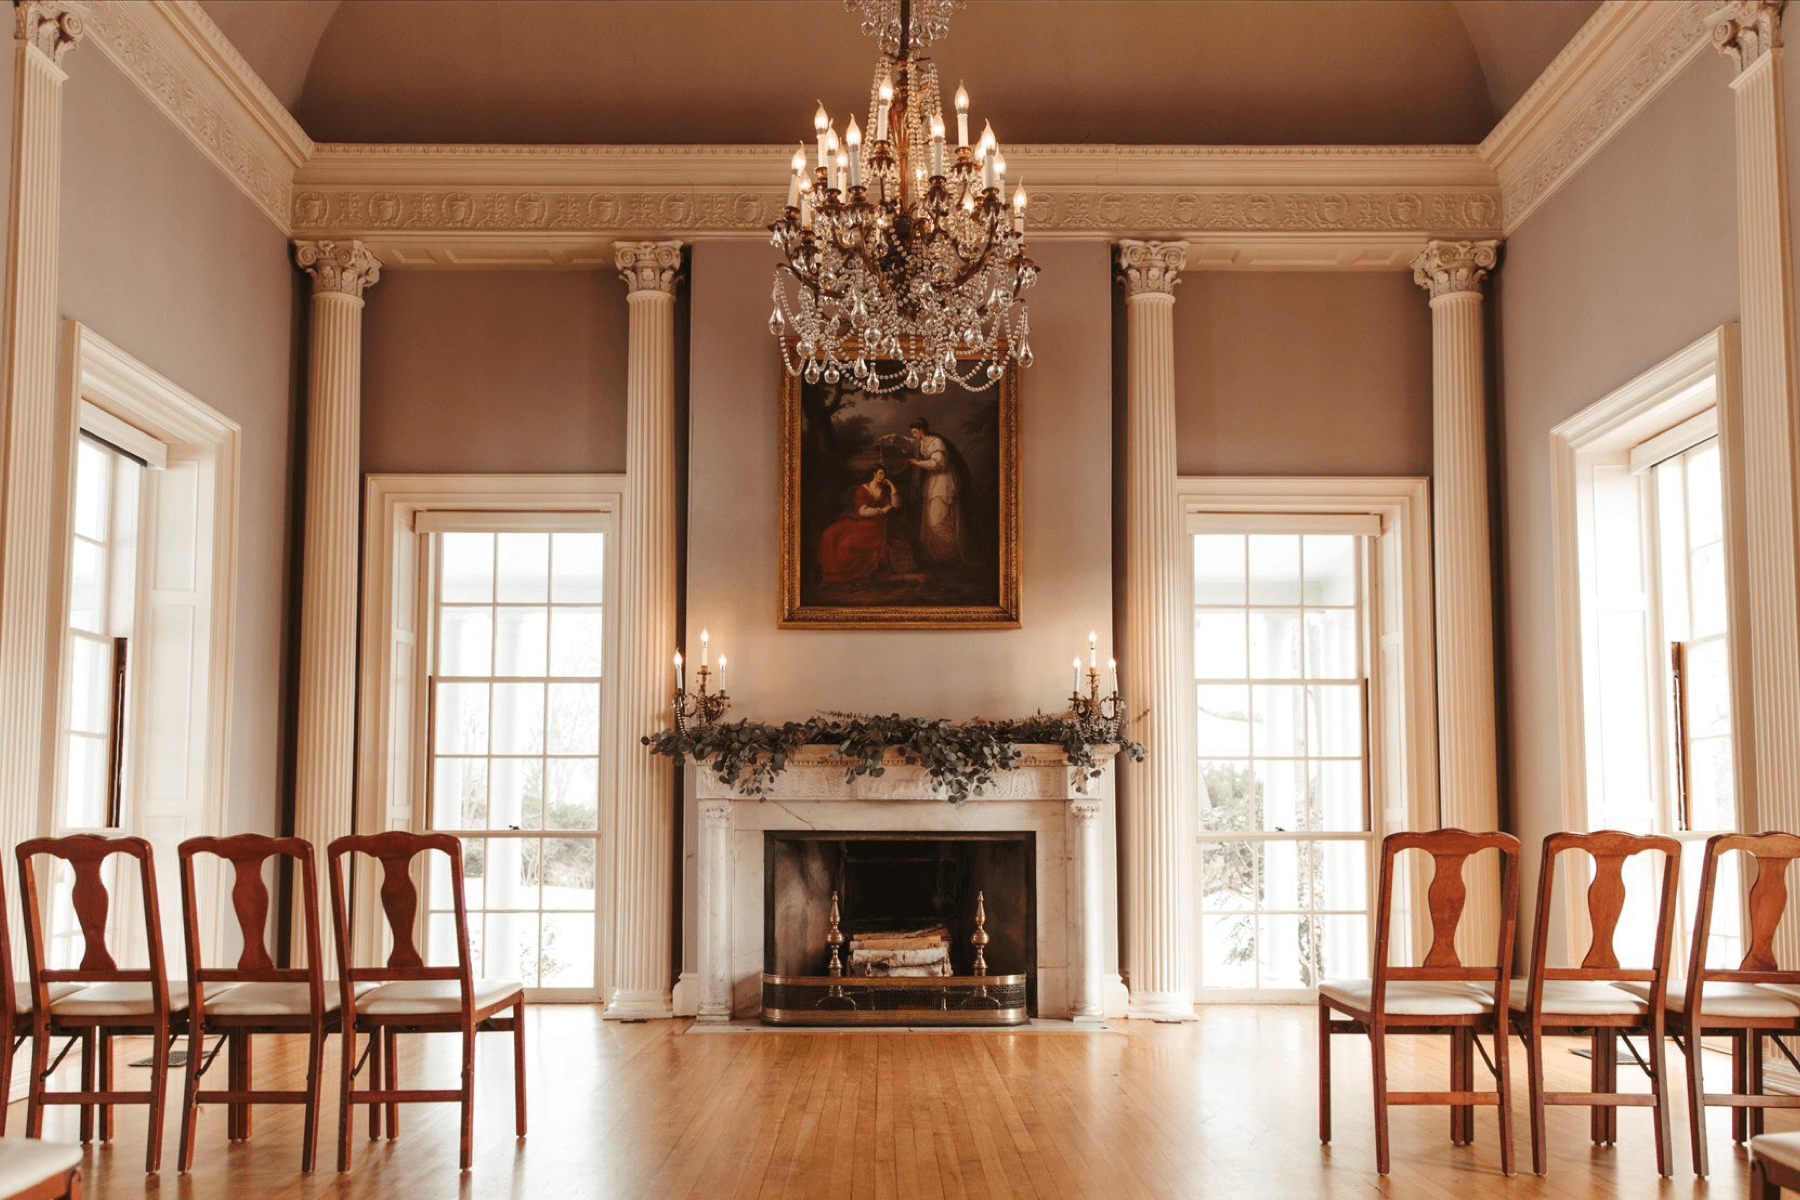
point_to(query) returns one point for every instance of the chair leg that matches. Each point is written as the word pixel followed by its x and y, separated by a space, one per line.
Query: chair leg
pixel 1378 1061
pixel 1457 1084
pixel 519 1066
pixel 87 1085
pixel 159 1095
pixel 1760 1187
pixel 1740 1083
pixel 467 1103
pixel 1659 1092
pixel 1468 1085
pixel 315 1072
pixel 190 1089
pixel 346 1084
pixel 103 1071
pixel 234 1081
pixel 1696 1101
pixel 393 1082
pixel 1534 1086
pixel 34 1102
pixel 1324 1073
pixel 1503 1081
pixel 6 1070
pixel 377 1078
pixel 249 1072
pixel 1754 1078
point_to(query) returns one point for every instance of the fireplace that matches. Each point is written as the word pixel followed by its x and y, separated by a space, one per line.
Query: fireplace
pixel 1039 847
pixel 902 907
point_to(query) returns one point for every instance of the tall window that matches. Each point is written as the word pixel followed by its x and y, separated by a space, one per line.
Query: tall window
pixel 514 748
pixel 1281 671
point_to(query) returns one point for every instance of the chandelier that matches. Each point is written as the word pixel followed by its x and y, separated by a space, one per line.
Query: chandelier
pixel 905 257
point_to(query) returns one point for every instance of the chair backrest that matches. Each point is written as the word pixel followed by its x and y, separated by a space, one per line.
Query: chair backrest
pixel 1609 851
pixel 397 851
pixel 1765 905
pixel 1446 903
pixel 248 854
pixel 86 855
pixel 8 996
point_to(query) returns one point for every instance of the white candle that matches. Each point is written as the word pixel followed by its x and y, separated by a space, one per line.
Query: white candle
pixel 988 152
pixel 1112 665
pixel 937 145
pixel 722 675
pixel 799 166
pixel 821 122
pixel 840 176
pixel 678 678
pixel 962 116
pixel 1093 648
pixel 705 637
pixel 881 110
pixel 1019 209
pixel 1076 667
pixel 853 137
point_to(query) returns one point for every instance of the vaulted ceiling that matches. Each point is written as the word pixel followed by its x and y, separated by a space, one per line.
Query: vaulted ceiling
pixel 1189 72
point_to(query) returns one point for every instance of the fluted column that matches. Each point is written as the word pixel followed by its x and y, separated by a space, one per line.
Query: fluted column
pixel 325 757
pixel 1749 32
pixel 644 837
pixel 715 911
pixel 1158 817
pixel 44 32
pixel 1468 788
pixel 1086 955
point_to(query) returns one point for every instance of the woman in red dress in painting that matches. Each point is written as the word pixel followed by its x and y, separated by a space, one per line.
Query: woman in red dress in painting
pixel 852 548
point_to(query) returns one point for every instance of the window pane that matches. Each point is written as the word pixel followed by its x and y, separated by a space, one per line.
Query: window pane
pixel 1224 720
pixel 1279 782
pixel 1220 645
pixel 1229 959
pixel 577 565
pixel 1230 802
pixel 1344 879
pixel 1343 943
pixel 87 775
pixel 569 874
pixel 1218 569
pixel 566 955
pixel 518 718
pixel 512 950
pixel 511 876
pixel 93 490
pixel 1280 721
pixel 574 718
pixel 517 792
pixel 1285 952
pixel 519 641
pixel 465 641
pixel 1274 645
pixel 1228 876
pixel 459 794
pixel 1338 796
pixel 1338 720
pixel 87 588
pixel 467 567
pixel 523 575
pixel 1706 677
pixel 90 686
pixel 461 717
pixel 1274 568
pixel 1706 517
pixel 1711 802
pixel 575 642
pixel 1331 644
pixel 1282 881
pixel 573 797
pixel 1330 568
pixel 1709 591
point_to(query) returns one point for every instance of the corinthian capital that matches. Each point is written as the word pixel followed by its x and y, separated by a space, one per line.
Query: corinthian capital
pixel 50 25
pixel 344 267
pixel 1745 30
pixel 648 266
pixel 1444 268
pixel 1151 268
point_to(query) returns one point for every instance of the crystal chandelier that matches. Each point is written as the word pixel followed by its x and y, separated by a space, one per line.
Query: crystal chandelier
pixel 905 257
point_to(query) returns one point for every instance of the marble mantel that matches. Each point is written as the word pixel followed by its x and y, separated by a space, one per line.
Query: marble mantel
pixel 1072 818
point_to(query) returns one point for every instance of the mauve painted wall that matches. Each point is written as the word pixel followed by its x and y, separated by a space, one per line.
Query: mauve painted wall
pixel 490 371
pixel 1302 374
pixel 164 257
pixel 1632 260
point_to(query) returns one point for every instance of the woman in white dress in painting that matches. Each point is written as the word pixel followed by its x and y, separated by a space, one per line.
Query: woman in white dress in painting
pixel 940 502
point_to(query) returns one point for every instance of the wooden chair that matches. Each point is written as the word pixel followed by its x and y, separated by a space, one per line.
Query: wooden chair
pixel 1739 1002
pixel 258 996
pixel 15 1007
pixel 410 997
pixel 1577 1000
pixel 32 1169
pixel 1437 996
pixel 114 1000
pixel 1774 1164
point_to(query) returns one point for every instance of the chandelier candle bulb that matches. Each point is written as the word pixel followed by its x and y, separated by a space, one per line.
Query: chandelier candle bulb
pixel 722 675
pixel 1019 208
pixel 937 145
pixel 821 122
pixel 853 139
pixel 962 115
pixel 1093 650
pixel 705 637
pixel 881 111
pixel 1075 666
pixel 794 178
pixel 1112 667
pixel 680 680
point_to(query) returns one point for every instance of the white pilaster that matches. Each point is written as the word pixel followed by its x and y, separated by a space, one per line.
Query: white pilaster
pixel 644 831
pixel 44 32
pixel 1468 778
pixel 1087 961
pixel 325 752
pixel 1157 818
pixel 1750 33
pixel 715 911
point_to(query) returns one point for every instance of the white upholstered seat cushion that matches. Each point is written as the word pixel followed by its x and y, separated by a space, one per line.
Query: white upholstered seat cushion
pixel 1783 1148
pixel 1412 998
pixel 23 1001
pixel 267 999
pixel 435 996
pixel 1725 999
pixel 116 1000
pixel 27 1162
pixel 1580 998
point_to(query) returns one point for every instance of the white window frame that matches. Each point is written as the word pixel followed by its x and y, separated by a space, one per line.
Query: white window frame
pixel 178 776
pixel 1654 407
pixel 1402 659
pixel 399 512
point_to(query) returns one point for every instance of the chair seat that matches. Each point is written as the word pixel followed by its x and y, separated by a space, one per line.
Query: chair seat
pixel 434 996
pixel 1580 998
pixel 116 1000
pixel 1782 1148
pixel 27 1162
pixel 269 999
pixel 23 1001
pixel 1725 999
pixel 1412 998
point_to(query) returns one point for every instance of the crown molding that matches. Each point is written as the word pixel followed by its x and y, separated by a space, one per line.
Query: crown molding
pixel 178 58
pixel 1613 66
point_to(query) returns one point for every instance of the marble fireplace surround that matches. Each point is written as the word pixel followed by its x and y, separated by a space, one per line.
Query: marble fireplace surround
pixel 1077 857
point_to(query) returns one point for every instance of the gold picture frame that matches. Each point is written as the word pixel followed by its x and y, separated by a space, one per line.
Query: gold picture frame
pixel 885 525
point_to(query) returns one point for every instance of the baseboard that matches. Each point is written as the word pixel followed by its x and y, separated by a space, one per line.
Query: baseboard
pixel 686 998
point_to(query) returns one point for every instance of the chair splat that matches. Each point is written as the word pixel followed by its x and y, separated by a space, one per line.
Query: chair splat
pixel 401 902
pixel 1445 900
pixel 250 897
pixel 1606 902
pixel 1768 899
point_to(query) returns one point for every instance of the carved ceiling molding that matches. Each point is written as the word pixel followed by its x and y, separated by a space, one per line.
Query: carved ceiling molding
pixel 1618 61
pixel 177 57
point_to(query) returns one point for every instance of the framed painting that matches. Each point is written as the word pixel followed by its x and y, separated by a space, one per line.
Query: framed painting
pixel 899 511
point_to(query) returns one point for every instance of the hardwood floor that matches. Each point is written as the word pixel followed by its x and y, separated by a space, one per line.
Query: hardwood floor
pixel 1223 1107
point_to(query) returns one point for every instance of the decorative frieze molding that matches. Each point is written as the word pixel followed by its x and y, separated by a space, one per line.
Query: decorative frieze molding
pixel 1446 267
pixel 1609 70
pixel 1745 30
pixel 648 266
pixel 178 58
pixel 346 267
pixel 51 26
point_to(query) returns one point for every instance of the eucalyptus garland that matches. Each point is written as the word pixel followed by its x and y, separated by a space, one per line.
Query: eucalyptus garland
pixel 960 759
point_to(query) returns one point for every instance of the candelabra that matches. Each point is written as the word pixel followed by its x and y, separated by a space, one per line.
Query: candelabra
pixel 1107 711
pixel 700 706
